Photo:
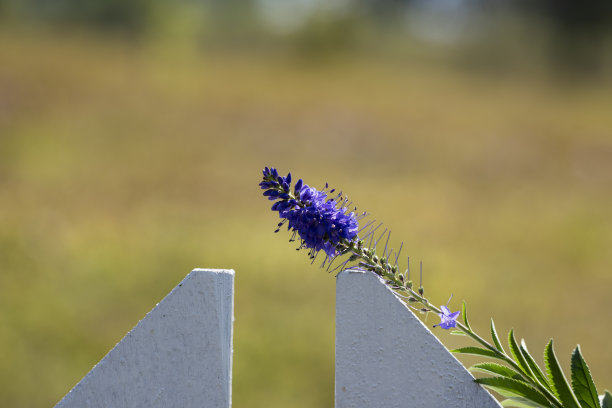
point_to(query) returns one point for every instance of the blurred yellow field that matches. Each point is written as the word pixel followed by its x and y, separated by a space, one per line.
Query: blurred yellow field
pixel 123 166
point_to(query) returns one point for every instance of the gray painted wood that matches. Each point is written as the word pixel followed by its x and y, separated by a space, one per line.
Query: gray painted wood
pixel 386 357
pixel 179 355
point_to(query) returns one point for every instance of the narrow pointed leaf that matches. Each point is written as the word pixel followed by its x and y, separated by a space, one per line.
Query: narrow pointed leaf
pixel 458 333
pixel 496 337
pixel 477 351
pixel 606 400
pixel 535 369
pixel 582 382
pixel 557 380
pixel 509 388
pixel 497 369
pixel 518 356
pixel 518 402
pixel 465 318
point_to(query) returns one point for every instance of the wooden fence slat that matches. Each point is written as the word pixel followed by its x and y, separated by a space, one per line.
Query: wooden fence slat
pixel 178 355
pixel 386 357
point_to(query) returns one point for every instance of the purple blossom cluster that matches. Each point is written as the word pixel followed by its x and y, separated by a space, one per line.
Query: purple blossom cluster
pixel 321 223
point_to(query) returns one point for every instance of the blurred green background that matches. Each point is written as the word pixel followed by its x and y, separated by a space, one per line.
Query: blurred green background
pixel 133 134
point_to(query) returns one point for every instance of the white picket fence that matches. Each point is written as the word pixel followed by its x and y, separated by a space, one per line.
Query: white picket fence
pixel 180 354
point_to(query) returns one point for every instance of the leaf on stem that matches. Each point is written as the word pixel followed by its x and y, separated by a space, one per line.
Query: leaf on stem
pixel 465 318
pixel 518 356
pixel 518 402
pixel 495 337
pixel 606 400
pixel 515 389
pixel 535 369
pixel 582 382
pixel 557 380
pixel 498 369
pixel 477 351
pixel 458 333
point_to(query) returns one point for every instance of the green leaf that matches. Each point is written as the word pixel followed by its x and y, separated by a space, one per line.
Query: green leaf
pixel 606 401
pixel 511 388
pixel 495 337
pixel 477 351
pixel 465 318
pixel 494 368
pixel 582 382
pixel 533 365
pixel 458 333
pixel 521 403
pixel 557 380
pixel 518 356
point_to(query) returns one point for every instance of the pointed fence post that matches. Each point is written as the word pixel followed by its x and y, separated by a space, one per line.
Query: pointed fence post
pixel 179 355
pixel 386 357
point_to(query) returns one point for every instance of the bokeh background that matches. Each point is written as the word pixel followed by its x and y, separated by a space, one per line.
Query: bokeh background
pixel 133 134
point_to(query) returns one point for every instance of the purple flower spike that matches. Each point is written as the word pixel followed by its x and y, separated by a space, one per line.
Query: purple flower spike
pixel 447 319
pixel 321 223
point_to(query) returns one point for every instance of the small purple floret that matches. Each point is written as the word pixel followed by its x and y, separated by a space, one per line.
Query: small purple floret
pixel 447 319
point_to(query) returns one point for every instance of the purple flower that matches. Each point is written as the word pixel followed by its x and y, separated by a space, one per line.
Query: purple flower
pixel 447 319
pixel 278 188
pixel 321 223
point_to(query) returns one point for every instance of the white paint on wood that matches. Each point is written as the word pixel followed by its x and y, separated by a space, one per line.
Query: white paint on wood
pixel 386 357
pixel 179 355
